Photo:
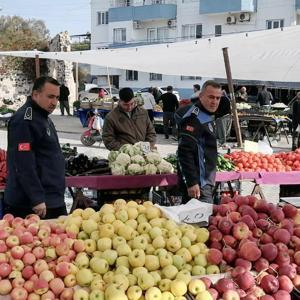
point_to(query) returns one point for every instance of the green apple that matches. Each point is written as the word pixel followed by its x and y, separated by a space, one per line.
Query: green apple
pixel 117 241
pixel 99 265
pixel 139 271
pixel 145 281
pixel 123 250
pixel 205 295
pixel 121 215
pixel 132 279
pixel 132 213
pixel 185 254
pixel 203 247
pixel 106 230
pixel 137 258
pixel 202 235
pixel 108 277
pixel 178 287
pixel 82 235
pixel 153 293
pixel 81 294
pixel 150 250
pixel 126 232
pixel 122 261
pixel 196 286
pixel 156 276
pixel 173 244
pixel 110 256
pixel 155 232
pixel 142 218
pixel 165 285
pixel 185 242
pixel 178 262
pixel 134 292
pixel 188 267
pixel 198 270
pixel 152 262
pixel 167 296
pixel 121 280
pixel 96 295
pixel 122 270
pixel 132 223
pixel 184 275
pixel 108 218
pixel 194 250
pixel 143 227
pixel 200 260
pixel 152 212
pixel 89 226
pixel 213 269
pixel 140 242
pixel 114 293
pixel 160 252
pixel 104 244
pixel 165 260
pixel 84 277
pixel 159 242
pixel 169 272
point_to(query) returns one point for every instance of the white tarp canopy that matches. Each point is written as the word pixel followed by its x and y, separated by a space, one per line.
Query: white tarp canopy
pixel 272 55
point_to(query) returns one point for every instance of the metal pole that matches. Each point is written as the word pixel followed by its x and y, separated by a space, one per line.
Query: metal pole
pixel 232 97
pixel 108 81
pixel 37 66
pixel 76 80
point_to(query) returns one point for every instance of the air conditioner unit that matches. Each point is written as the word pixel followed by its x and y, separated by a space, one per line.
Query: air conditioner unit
pixel 244 17
pixel 171 23
pixel 137 25
pixel 231 20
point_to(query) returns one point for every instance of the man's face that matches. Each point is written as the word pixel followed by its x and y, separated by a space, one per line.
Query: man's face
pixel 210 98
pixel 127 106
pixel 47 97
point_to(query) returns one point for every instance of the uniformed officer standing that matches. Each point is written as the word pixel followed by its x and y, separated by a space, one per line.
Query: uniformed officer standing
pixel 36 167
pixel 197 146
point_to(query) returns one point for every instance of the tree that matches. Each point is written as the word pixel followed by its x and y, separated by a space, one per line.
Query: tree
pixel 18 34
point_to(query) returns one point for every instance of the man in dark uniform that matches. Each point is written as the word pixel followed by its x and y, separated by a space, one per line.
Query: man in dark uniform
pixel 36 166
pixel 64 99
pixel 197 146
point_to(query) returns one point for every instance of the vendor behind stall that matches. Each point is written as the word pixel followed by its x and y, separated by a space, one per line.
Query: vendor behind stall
pixel 127 123
pixel 36 165
pixel 296 123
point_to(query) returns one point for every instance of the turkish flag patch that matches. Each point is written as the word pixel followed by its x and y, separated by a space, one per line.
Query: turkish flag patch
pixel 189 128
pixel 24 147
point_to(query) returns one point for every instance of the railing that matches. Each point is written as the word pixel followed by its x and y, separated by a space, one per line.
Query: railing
pixel 126 3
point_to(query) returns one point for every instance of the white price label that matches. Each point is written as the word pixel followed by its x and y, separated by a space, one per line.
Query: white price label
pixel 145 147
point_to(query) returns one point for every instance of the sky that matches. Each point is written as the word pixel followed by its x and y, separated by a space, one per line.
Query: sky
pixel 58 15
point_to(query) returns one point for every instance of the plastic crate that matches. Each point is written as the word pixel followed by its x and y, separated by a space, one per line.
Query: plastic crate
pixel 164 199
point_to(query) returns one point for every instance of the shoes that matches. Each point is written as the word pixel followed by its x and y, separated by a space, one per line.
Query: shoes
pixel 175 138
pixel 166 137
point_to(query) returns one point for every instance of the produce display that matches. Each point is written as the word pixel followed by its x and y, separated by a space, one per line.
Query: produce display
pixel 224 164
pixel 172 159
pixel 258 162
pixel 3 169
pixel 131 160
pixel 248 234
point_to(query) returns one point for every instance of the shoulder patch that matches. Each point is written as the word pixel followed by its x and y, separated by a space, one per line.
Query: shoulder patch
pixel 189 128
pixel 28 114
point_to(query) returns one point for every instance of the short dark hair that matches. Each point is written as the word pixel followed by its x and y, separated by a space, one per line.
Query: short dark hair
pixel 197 87
pixel 169 88
pixel 150 90
pixel 126 94
pixel 41 81
pixel 212 83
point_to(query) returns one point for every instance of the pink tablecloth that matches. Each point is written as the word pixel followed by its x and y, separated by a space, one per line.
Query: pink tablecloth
pixel 292 177
pixel 227 176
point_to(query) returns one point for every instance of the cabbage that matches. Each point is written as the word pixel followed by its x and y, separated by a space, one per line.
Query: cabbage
pixel 165 167
pixel 123 159
pixel 117 169
pixel 153 158
pixel 138 159
pixel 150 169
pixel 135 169
pixel 127 149
pixel 112 155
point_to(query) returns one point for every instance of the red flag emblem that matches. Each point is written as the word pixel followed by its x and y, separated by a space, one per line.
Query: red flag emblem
pixel 190 128
pixel 24 147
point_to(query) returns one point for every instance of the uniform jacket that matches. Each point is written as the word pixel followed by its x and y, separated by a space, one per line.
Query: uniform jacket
pixel 120 129
pixel 36 166
pixel 197 146
pixel 296 114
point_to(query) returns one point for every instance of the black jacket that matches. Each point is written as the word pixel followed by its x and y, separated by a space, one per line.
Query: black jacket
pixel 197 146
pixel 36 166
pixel 64 93
pixel 170 102
pixel 296 114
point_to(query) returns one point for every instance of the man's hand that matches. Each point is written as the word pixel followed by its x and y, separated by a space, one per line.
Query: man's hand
pixel 40 209
pixel 194 191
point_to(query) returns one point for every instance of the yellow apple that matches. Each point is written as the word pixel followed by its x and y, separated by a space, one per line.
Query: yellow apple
pixel 108 218
pixel 194 250
pixel 173 244
pixel 90 246
pixel 137 258
pixel 99 265
pixel 87 213
pixel 106 209
pixel 150 250
pixel 80 294
pixel 121 281
pixel 143 227
pixel 132 279
pixel 178 287
pixel 145 281
pixel 167 296
pixel 153 293
pixel 184 275
pixel 132 223
pixel 140 242
pixel 97 295
pixel 185 254
pixel 139 271
pixel 205 295
pixel 169 272
pixel 106 230
pixel 122 261
pixel 202 235
pixel 126 232
pixel 77 212
pixel 134 292
pixel 108 277
pixel 84 277
pixel 104 244
pixel 132 213
pixel 122 270
pixel 196 286
pixel 165 285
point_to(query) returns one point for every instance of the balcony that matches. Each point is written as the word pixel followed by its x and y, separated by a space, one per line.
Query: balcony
pixel 227 6
pixel 151 10
pixel 125 3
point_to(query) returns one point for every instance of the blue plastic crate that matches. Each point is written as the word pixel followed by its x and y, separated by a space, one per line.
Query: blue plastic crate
pixel 83 116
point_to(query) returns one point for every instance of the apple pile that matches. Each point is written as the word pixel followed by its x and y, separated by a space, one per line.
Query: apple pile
pixel 258 162
pixel 250 234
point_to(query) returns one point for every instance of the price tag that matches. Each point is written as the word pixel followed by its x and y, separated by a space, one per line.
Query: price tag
pixel 145 147
pixel 196 215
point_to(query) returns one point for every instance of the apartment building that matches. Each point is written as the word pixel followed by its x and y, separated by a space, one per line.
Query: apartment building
pixel 127 23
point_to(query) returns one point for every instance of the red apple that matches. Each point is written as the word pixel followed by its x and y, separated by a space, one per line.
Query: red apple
pixel 40 286
pixel 229 254
pixel 3 234
pixel 12 241
pixel 282 295
pixel 64 268
pixel 266 297
pixel 5 270
pixel 283 258
pixel 287 270
pixel 237 271
pixel 214 293
pixel 266 238
pixel 297 258
pixel 249 221
pixel 241 200
pixel 229 241
pixel 67 294
pixel 18 282
pixel 290 211
pixel 269 251
pixel 18 293
pixel 214 256
pixel 231 295
pixel 39 266
pixel 207 282
pixel 3 247
pixel 257 232
pixel 261 264
pixel 277 215
pixel 240 231
pixel 5 287
pixel 38 252
pixel 250 251
pixel 282 235
pixel 17 252
pixel 225 225
pixel 26 238
pixel 223 210
pixel 285 283
pixel 224 284
pixel 28 285
pixel 245 281
pixel 215 236
pixel 269 284
pixel 29 259
pixel 248 210
pixel 234 216
pixel 243 263
pixel 27 272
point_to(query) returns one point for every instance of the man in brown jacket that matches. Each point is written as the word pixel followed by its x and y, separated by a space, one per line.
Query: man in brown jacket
pixel 127 123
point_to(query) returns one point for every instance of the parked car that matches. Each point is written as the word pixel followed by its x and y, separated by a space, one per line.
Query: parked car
pixel 91 94
pixel 161 90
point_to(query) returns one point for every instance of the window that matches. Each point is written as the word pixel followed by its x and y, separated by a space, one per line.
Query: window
pixel 155 76
pixel 192 31
pixel 218 30
pixel 190 78
pixel 163 34
pixel 275 24
pixel 119 35
pixel 151 35
pixel 132 75
pixel 102 17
